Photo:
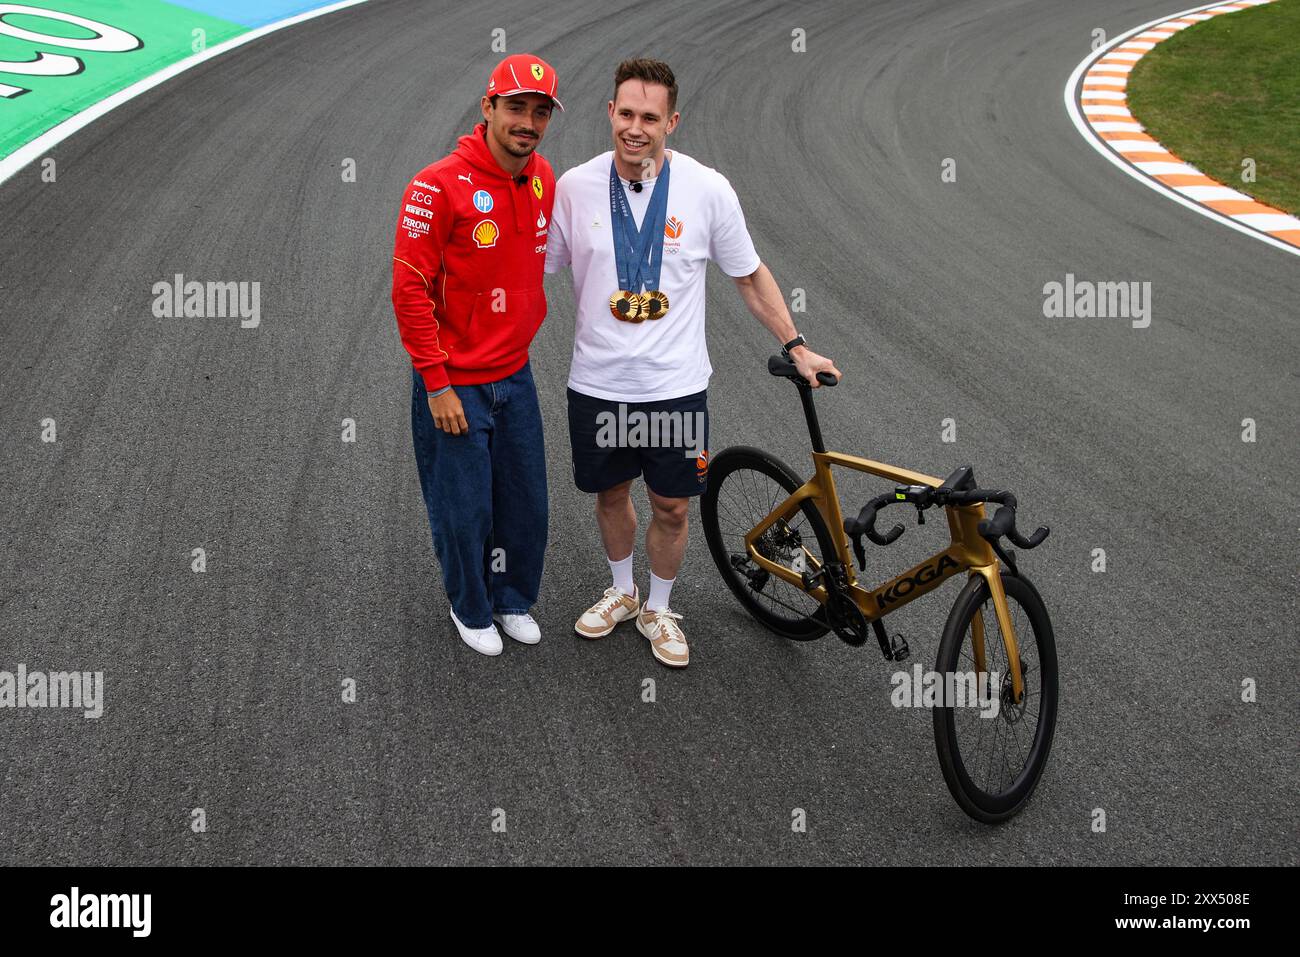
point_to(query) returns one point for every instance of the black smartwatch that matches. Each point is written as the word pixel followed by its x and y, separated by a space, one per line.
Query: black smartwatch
pixel 794 343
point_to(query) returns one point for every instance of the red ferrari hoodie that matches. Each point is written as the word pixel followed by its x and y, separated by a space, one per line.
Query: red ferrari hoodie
pixel 467 264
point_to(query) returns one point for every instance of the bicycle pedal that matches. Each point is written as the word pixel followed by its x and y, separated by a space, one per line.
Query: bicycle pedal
pixel 898 650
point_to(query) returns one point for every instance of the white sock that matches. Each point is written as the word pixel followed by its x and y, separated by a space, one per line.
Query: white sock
pixel 622 572
pixel 660 591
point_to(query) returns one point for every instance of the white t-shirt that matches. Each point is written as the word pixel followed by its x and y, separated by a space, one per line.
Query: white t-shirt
pixel 659 358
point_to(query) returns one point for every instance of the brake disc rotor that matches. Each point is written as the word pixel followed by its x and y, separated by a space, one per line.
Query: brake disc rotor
pixel 1010 711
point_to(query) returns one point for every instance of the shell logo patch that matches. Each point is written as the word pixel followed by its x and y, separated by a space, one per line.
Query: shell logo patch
pixel 673 227
pixel 702 466
pixel 537 186
pixel 538 71
pixel 485 234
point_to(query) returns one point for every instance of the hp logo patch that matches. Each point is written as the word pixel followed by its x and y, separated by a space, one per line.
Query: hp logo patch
pixel 483 201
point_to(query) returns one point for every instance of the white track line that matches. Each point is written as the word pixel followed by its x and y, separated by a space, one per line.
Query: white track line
pixel 52 137
pixel 1086 130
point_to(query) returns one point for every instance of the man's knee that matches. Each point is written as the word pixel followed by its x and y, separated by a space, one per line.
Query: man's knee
pixel 614 499
pixel 670 512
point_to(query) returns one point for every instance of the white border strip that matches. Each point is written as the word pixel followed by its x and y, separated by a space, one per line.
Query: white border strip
pixel 1072 107
pixel 52 137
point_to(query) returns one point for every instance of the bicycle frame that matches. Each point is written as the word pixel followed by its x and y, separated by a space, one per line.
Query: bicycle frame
pixel 969 551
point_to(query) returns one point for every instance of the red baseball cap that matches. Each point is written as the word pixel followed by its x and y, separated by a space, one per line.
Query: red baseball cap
pixel 523 73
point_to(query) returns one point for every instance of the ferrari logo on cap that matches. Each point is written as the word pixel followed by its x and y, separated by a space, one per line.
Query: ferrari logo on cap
pixel 538 71
pixel 537 186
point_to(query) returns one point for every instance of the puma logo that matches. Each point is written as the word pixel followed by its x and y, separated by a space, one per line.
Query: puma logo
pixel 465 177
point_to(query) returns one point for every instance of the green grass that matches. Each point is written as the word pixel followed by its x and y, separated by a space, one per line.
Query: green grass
pixel 1228 89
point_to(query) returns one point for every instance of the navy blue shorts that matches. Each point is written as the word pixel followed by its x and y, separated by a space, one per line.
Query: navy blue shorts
pixel 666 441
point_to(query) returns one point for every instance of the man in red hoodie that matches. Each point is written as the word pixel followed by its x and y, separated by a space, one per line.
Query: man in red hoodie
pixel 467 292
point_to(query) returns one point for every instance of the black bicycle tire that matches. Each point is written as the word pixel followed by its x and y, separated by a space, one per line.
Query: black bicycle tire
pixel 994 809
pixel 726 463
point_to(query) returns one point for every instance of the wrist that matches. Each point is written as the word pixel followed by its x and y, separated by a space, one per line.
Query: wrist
pixel 794 345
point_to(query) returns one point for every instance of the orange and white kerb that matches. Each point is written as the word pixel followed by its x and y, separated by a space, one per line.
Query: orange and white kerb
pixel 1096 99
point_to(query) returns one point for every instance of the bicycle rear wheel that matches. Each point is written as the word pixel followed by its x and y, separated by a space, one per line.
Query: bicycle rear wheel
pixel 745 485
pixel 992 763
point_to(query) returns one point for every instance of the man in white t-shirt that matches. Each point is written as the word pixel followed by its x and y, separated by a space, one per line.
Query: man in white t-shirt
pixel 639 225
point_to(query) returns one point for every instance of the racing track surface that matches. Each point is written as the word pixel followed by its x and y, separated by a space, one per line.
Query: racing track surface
pixel 223 688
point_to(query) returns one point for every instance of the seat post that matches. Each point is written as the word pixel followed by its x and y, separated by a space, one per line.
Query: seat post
pixel 810 414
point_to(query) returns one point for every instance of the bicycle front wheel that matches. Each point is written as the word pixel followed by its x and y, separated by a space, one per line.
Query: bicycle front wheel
pixel 745 486
pixel 993 751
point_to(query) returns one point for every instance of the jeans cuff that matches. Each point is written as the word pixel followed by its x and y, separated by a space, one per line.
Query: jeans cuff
pixel 509 611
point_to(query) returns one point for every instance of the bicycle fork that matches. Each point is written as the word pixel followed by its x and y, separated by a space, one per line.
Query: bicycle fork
pixel 992 574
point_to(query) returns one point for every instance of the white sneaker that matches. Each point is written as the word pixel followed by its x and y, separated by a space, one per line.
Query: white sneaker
pixel 667 640
pixel 486 641
pixel 521 628
pixel 615 606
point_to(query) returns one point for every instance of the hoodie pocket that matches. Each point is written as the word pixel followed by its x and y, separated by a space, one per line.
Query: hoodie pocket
pixel 503 325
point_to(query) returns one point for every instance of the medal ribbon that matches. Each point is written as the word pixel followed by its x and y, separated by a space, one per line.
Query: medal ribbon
pixel 638 253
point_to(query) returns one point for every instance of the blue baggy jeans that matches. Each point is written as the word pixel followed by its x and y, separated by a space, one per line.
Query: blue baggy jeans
pixel 485 493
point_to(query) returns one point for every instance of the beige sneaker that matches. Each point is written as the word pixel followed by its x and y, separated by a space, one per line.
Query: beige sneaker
pixel 667 641
pixel 599 620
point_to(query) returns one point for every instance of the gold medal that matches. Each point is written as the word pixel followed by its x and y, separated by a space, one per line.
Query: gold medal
pixel 654 304
pixel 626 306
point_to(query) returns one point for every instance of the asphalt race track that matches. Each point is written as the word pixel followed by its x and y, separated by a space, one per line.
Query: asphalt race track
pixel 223 688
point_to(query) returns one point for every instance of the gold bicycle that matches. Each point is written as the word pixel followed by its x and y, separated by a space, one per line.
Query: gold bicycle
pixel 790 566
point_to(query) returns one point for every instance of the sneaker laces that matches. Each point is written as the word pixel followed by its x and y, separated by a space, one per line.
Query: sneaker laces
pixel 667 621
pixel 613 597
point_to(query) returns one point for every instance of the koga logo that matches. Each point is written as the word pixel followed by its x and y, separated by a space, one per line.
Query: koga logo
pixel 483 201
pixel 905 586
pixel 103 910
pixel 485 234
pixel 428 186
pixel 419 211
